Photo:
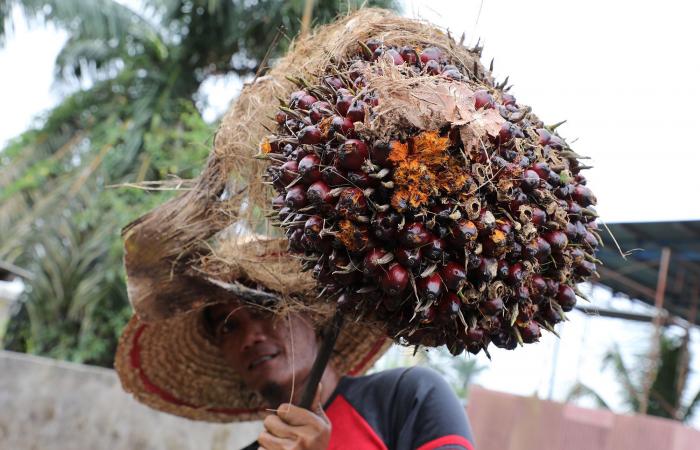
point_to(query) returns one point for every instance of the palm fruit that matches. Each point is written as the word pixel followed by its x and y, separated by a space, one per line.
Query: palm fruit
pixel 465 226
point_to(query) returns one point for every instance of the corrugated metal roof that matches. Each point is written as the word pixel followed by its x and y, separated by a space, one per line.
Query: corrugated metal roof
pixel 637 275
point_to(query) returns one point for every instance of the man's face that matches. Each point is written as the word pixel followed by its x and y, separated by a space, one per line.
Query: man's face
pixel 268 352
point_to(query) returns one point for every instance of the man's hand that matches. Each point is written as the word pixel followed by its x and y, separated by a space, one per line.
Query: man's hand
pixel 295 428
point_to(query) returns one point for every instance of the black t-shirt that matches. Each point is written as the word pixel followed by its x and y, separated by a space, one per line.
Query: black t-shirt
pixel 398 409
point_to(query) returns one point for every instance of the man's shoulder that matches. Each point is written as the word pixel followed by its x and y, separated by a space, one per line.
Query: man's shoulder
pixel 403 377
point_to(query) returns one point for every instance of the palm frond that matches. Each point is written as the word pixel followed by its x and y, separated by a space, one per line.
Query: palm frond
pixel 580 390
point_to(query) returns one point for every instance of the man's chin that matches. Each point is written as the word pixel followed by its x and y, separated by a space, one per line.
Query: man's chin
pixel 274 393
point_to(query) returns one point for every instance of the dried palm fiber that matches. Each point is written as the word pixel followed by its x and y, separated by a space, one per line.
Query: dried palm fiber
pixel 423 196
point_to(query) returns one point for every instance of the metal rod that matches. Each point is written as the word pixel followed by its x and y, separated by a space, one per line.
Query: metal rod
pixel 329 335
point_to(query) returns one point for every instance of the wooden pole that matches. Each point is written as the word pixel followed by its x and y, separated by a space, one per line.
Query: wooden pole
pixel 330 335
pixel 306 18
pixel 655 349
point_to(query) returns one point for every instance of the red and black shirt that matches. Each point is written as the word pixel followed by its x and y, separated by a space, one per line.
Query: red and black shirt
pixel 398 409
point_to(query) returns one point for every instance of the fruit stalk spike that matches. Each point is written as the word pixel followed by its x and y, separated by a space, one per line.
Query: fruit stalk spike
pixel 514 314
pixel 516 332
pixel 551 128
pixel 578 293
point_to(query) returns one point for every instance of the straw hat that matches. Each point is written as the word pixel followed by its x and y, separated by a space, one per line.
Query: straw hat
pixel 173 366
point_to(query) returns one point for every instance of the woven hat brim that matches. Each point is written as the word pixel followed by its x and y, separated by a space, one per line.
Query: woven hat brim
pixel 171 366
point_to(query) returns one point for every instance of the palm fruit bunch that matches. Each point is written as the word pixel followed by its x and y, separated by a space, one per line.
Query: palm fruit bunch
pixel 424 196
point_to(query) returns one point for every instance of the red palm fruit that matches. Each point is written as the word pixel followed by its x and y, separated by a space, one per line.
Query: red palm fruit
pixel 573 208
pixel 319 110
pixel 305 101
pixel 585 269
pixel 538 287
pixel 351 203
pixel 519 199
pixel 435 249
pixel 430 288
pixel 449 305
pixel 342 125
pixel 360 179
pixel 544 250
pixel 409 55
pixel 378 53
pixel 583 196
pixel 281 117
pixel 521 293
pixel 395 56
pixel 591 240
pixel 503 269
pixel 482 99
pixel 577 255
pixel 551 315
pixel 395 280
pixel 515 274
pixel 566 297
pixel 530 332
pixel 539 217
pixel 552 287
pixel 384 225
pixel 356 112
pixel 352 154
pixel 495 243
pixel 296 197
pixel 295 243
pixel 310 135
pixel 544 135
pixel 542 169
pixel 309 168
pixel 432 67
pixel 529 180
pixel 380 153
pixel 415 235
pixel 334 82
pixel 373 44
pixel 486 271
pixel 347 301
pixel 319 194
pixel 278 202
pixel 556 142
pixel 289 171
pixel 492 306
pixel 342 103
pixel 509 131
pixel 504 339
pixel 295 96
pixel 428 315
pixel 430 54
pixel 452 74
pixel 557 240
pixel 374 260
pixel 508 99
pixel 462 232
pixel 409 257
pixel 454 275
pixel 570 230
pixel 313 227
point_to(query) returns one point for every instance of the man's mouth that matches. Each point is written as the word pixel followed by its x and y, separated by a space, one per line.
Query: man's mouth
pixel 262 359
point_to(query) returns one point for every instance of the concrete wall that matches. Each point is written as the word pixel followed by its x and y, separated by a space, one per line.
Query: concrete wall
pixel 46 404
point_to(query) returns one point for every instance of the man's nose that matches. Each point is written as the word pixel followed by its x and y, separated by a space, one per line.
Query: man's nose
pixel 254 333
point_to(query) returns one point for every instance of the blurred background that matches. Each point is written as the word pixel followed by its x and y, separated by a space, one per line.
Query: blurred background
pixel 99 97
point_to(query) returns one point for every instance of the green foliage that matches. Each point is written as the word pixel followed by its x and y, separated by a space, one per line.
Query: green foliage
pixel 135 122
pixel 667 388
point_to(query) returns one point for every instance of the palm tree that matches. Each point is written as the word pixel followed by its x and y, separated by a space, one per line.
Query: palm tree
pixel 667 389
pixel 135 121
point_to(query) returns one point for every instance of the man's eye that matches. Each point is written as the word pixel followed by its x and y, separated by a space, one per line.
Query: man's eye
pixel 227 327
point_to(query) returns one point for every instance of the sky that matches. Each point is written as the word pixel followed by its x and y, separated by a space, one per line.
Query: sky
pixel 621 73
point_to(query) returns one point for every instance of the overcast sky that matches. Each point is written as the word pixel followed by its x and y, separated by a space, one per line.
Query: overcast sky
pixel 623 73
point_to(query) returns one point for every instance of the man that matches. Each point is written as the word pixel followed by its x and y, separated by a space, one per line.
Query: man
pixel 230 361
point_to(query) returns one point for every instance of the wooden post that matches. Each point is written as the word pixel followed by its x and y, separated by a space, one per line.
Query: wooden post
pixel 655 349
pixel 306 18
